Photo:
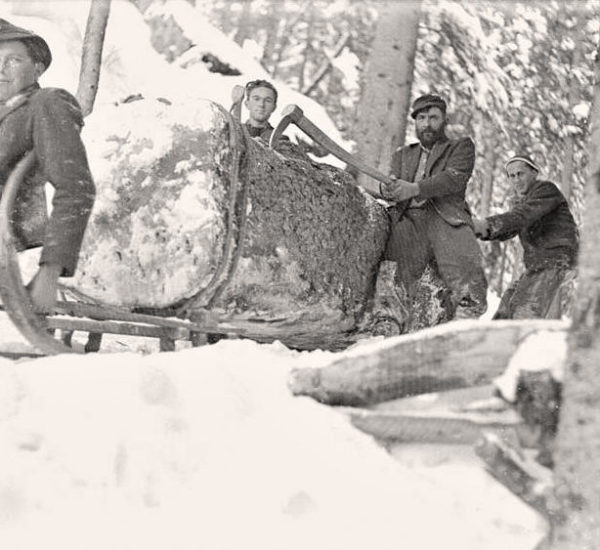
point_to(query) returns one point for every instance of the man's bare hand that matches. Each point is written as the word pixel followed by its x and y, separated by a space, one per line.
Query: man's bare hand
pixel 43 287
pixel 481 228
pixel 399 190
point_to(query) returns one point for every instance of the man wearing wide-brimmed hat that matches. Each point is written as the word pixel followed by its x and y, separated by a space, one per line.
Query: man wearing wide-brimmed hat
pixel 545 226
pixel 431 222
pixel 48 122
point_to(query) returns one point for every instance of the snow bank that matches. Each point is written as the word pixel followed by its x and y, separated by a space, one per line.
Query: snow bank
pixel 207 449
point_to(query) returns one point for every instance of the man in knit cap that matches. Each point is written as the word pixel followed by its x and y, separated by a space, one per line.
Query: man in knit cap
pixel 48 122
pixel 431 222
pixel 544 224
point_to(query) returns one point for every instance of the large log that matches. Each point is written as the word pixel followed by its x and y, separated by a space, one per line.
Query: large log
pixel 192 213
pixel 457 355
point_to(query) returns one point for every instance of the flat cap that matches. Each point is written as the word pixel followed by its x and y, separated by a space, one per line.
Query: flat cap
pixel 425 102
pixel 8 31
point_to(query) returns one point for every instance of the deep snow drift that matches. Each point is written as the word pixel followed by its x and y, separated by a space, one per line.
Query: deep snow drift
pixel 206 448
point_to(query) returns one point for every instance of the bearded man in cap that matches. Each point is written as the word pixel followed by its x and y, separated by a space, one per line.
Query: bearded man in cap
pixel 431 222
pixel 545 226
pixel 48 122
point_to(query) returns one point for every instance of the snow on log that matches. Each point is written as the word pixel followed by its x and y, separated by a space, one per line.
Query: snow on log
pixel 193 213
pixel 456 355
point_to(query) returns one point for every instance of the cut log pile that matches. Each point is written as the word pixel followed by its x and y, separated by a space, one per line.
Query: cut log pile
pixel 438 386
pixel 456 355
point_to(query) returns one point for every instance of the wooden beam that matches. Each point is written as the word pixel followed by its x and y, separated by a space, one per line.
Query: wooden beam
pixel 115 327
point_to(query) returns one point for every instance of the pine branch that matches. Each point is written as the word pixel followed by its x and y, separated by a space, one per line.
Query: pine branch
pixel 326 67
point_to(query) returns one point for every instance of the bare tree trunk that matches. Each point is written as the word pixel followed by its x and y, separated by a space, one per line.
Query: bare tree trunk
pixel 488 183
pixel 568 167
pixel 242 30
pixel 271 26
pixel 577 526
pixel 288 29
pixel 91 56
pixel 490 158
pixel 307 49
pixel 381 123
pixel 574 96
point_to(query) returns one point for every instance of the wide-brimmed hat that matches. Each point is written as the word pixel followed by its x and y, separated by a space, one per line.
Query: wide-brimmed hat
pixel 8 31
pixel 523 158
pixel 425 102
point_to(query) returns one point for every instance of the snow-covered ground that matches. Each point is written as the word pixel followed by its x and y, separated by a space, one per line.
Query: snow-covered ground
pixel 206 448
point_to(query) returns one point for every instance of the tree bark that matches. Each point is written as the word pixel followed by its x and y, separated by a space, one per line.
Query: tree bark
pixel 91 57
pixel 381 121
pixel 578 441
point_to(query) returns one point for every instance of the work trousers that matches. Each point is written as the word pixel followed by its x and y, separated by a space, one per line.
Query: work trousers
pixel 535 295
pixel 421 238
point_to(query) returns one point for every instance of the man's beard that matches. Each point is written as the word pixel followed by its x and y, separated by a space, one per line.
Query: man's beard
pixel 429 136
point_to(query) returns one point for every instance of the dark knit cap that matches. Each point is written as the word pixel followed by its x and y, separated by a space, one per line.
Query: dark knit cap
pixel 425 102
pixel 523 158
pixel 36 45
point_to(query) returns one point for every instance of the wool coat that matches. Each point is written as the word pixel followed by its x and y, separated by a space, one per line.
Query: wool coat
pixel 48 122
pixel 544 224
pixel 448 169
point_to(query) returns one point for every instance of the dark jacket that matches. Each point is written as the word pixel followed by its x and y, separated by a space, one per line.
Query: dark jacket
pixel 48 121
pixel 449 167
pixel 544 224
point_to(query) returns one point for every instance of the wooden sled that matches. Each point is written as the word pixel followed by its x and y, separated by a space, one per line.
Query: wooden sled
pixel 77 315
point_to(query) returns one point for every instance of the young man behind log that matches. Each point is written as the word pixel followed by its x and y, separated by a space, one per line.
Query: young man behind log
pixel 261 101
pixel 48 122
pixel 431 222
pixel 545 226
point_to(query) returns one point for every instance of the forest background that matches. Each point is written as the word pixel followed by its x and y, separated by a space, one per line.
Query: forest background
pixel 517 77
